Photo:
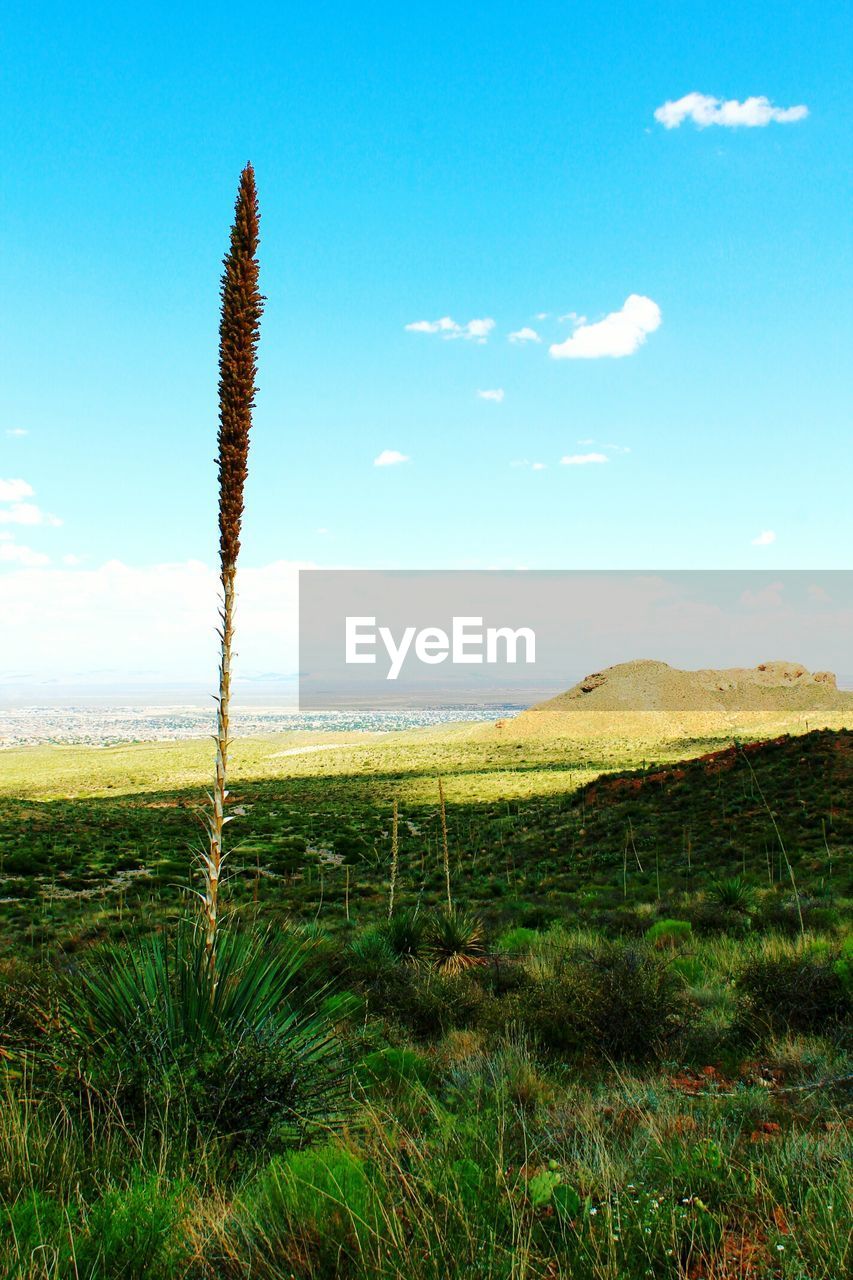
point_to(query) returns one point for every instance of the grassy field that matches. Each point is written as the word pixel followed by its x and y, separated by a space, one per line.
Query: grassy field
pixel 619 1052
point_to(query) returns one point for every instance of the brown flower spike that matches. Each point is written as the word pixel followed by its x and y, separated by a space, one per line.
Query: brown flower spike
pixel 239 329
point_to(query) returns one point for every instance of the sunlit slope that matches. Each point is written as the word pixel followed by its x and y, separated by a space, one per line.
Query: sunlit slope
pixel 648 702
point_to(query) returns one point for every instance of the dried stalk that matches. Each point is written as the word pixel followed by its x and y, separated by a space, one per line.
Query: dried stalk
pixel 395 858
pixel 772 817
pixel 444 845
pixel 239 327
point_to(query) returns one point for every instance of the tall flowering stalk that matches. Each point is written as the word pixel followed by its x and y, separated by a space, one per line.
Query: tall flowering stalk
pixel 445 847
pixel 395 856
pixel 239 328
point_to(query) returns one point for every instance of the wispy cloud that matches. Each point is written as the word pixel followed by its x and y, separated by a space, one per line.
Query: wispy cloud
pixel 525 462
pixel 473 331
pixel 14 553
pixel 619 334
pixel 27 513
pixel 496 394
pixel 582 459
pixel 611 448
pixel 390 458
pixel 19 511
pixel 525 334
pixel 155 619
pixel 705 110
pixel 764 539
pixel 17 431
pixel 14 490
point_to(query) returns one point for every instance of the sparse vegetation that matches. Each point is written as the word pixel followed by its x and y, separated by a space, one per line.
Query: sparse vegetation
pixel 570 1073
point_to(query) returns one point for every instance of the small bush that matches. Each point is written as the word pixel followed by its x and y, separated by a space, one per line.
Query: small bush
pixel 429 1004
pixel 843 967
pixel 130 1232
pixel 669 933
pixel 319 1205
pixel 518 940
pixel 633 1008
pixel 395 1069
pixel 620 1000
pixel 799 992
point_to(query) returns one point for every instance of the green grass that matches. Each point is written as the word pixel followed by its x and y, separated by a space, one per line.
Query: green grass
pixel 621 1084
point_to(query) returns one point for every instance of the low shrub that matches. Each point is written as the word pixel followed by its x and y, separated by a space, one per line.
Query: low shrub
pixel 669 933
pixel 129 1231
pixel 801 991
pixel 516 941
pixel 395 1069
pixel 619 1000
pixel 310 1210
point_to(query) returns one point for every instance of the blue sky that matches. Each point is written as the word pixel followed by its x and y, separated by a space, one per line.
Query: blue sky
pixel 485 161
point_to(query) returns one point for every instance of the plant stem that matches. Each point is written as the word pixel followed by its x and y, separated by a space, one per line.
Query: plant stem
pixel 395 853
pixel 444 844
pixel 216 823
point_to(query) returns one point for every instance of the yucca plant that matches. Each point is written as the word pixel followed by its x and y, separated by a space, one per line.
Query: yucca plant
pixel 370 956
pixel 249 1034
pixel 735 894
pixel 239 329
pixel 454 941
pixel 404 934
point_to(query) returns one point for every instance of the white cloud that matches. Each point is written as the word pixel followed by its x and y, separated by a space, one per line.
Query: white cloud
pixel 17 431
pixel 497 394
pixel 541 315
pixel 14 490
pixel 390 458
pixel 619 334
pixel 158 620
pixel 537 466
pixel 525 334
pixel 27 513
pixel 582 459
pixel 764 539
pixel 20 512
pixel 14 553
pixel 71 559
pixel 473 331
pixel 704 110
